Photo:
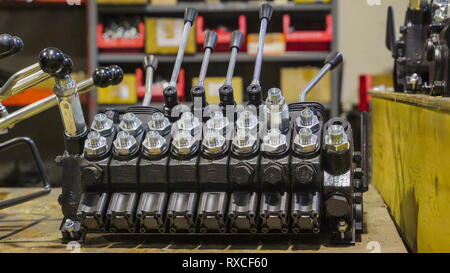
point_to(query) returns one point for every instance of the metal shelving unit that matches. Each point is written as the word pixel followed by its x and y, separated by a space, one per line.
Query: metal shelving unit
pixel 95 10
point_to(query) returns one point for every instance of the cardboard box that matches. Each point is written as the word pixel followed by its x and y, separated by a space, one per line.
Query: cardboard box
pixel 212 85
pixel 123 93
pixel 275 44
pixel 294 79
pixel 163 36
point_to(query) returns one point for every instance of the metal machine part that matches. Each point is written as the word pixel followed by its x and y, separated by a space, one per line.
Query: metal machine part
pixel 198 92
pixel 276 112
pixel 150 66
pixel 170 92
pixel 254 90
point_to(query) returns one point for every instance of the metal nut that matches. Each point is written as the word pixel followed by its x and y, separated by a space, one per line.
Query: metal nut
pixel 305 141
pixel 218 122
pixel 188 122
pixel 307 119
pixel 154 144
pixel 131 124
pixel 102 124
pixel 336 139
pixel 95 144
pixel 184 143
pixel 247 121
pixel 274 142
pixel 125 143
pixel 244 142
pixel 214 142
pixel 159 123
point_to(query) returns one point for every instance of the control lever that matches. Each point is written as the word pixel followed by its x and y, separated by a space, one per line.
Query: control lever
pixel 150 66
pixel 390 32
pixel 102 77
pixel 51 62
pixel 198 91
pixel 226 92
pixel 332 61
pixel 170 92
pixel 9 45
pixel 254 89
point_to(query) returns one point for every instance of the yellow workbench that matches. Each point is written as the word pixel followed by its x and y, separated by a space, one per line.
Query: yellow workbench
pixel 410 139
pixel 33 227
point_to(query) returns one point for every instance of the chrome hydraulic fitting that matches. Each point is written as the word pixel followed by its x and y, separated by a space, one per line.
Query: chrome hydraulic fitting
pixel 188 122
pixel 95 144
pixel 336 139
pixel 307 119
pixel 247 121
pixel 276 111
pixel 125 144
pixel 218 123
pixel 274 142
pixel 131 124
pixel 305 141
pixel 184 143
pixel 214 142
pixel 102 124
pixel 160 124
pixel 154 144
pixel 244 142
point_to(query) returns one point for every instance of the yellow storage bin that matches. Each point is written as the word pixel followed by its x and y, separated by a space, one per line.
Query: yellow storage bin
pixel 212 85
pixel 123 93
pixel 275 44
pixel 294 79
pixel 163 36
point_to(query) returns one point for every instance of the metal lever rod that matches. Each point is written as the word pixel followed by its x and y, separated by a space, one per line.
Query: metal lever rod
pixel 331 62
pixel 259 55
pixel 150 65
pixel 26 76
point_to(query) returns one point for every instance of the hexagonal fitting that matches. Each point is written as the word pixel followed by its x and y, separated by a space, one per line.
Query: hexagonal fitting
pixel 218 122
pixel 336 139
pixel 102 124
pixel 160 124
pixel 188 122
pixel 305 141
pixel 214 143
pixel 91 174
pixel 304 174
pixel 125 144
pixel 244 142
pixel 95 144
pixel 307 119
pixel 243 173
pixel 273 174
pixel 337 205
pixel 247 120
pixel 131 124
pixel 154 144
pixel 184 143
pixel 274 142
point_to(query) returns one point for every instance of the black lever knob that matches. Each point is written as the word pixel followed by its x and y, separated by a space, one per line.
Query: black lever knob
pixel 190 14
pixel 117 74
pixel 237 40
pixel 210 40
pixel 10 45
pixel 51 60
pixel 150 61
pixel 334 59
pixel 265 11
pixel 102 77
pixel 66 67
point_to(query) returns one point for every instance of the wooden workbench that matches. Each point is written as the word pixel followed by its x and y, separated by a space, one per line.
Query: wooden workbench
pixel 33 227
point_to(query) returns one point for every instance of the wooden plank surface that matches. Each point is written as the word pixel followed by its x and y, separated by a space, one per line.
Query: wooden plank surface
pixel 33 227
pixel 411 165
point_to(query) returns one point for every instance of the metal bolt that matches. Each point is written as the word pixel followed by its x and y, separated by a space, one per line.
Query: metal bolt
pixel 159 123
pixel 95 144
pixel 124 138
pixel 274 142
pixel 125 144
pixel 244 142
pixel 218 122
pixel 93 139
pixel 184 143
pixel 154 144
pixel 214 142
pixel 188 122
pixel 305 141
pixel 306 117
pixel 247 120
pixel 131 124
pixel 274 96
pixel 102 124
pixel 305 136
pixel 336 133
